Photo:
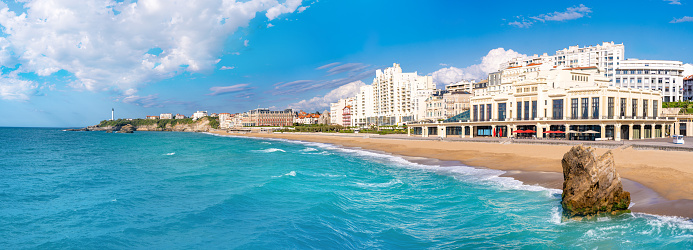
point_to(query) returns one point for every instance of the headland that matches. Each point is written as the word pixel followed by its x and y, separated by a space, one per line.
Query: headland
pixel 659 181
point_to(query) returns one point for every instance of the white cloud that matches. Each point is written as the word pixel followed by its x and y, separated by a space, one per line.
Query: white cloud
pixel 287 7
pixel 677 2
pixel 570 13
pixel 105 44
pixel 489 63
pixel 227 67
pixel 687 69
pixel 15 89
pixel 269 25
pixel 302 8
pixel 319 102
pixel 683 19
pixel 245 43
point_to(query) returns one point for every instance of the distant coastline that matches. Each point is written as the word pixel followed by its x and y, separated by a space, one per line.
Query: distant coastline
pixel 658 180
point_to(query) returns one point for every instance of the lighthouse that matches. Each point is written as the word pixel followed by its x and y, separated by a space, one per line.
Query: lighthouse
pixel 112 110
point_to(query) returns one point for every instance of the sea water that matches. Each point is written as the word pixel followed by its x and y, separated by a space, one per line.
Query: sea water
pixel 169 190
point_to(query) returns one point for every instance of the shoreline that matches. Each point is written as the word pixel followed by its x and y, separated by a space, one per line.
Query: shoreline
pixel 661 193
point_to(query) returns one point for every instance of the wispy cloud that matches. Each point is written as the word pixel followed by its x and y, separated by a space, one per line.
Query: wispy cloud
pixel 319 102
pixel 682 20
pixel 677 2
pixel 227 67
pixel 220 90
pixel 351 72
pixel 144 101
pixel 329 65
pixel 570 13
pixel 352 67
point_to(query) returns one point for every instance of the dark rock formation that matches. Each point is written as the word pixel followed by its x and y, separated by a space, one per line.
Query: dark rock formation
pixel 126 129
pixel 590 184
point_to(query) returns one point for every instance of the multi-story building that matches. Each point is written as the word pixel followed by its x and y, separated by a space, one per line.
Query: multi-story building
pixel 225 120
pixel 166 116
pixel 574 103
pixel 306 118
pixel 399 97
pixel 346 116
pixel 265 117
pixel 659 75
pixel 605 57
pixel 446 104
pixel 336 110
pixel 464 86
pixel 179 116
pixel 362 111
pixel 688 88
pixel 199 114
pixel 152 117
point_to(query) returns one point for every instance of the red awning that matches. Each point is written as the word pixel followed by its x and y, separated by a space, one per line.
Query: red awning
pixel 519 131
pixel 530 131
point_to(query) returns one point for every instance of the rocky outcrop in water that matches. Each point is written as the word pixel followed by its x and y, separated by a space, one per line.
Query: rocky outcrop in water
pixel 126 129
pixel 591 185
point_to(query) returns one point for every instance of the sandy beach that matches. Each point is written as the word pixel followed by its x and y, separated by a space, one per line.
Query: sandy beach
pixel 660 182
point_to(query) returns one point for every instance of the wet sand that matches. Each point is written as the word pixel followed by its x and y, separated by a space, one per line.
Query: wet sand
pixel 660 182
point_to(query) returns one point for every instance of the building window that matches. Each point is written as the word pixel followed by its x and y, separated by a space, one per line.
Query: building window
pixel 574 108
pixel 595 107
pixel 519 110
pixel 476 115
pixel 635 107
pixel 618 80
pixel 611 107
pixel 644 108
pixel 481 112
pixel 526 110
pixel 655 108
pixel 558 109
pixel 585 108
pixel 501 111
pixel 623 107
pixel 534 110
pixel 488 112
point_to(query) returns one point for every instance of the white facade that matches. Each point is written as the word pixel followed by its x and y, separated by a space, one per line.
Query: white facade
pixel 363 107
pixel 399 97
pixel 336 110
pixel 199 114
pixel 688 88
pixel 225 120
pixel 605 57
pixel 466 86
pixel 166 116
pixel 659 75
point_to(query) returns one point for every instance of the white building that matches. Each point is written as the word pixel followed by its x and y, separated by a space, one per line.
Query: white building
pixel 166 116
pixel 199 114
pixel 465 86
pixel 362 112
pixel 605 57
pixel 225 120
pixel 336 110
pixel 659 75
pixel 688 88
pixel 179 116
pixel 400 97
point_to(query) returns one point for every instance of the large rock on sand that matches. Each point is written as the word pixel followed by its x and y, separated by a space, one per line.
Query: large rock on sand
pixel 590 184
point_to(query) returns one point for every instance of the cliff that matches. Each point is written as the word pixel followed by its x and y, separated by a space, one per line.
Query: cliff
pixel 203 124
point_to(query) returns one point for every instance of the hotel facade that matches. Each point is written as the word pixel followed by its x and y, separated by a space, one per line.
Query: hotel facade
pixel 573 103
pixel 660 75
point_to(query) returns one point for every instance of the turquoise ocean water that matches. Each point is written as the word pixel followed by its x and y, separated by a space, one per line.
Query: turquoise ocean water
pixel 167 190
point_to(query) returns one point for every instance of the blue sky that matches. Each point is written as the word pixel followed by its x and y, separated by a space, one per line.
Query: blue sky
pixel 67 63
